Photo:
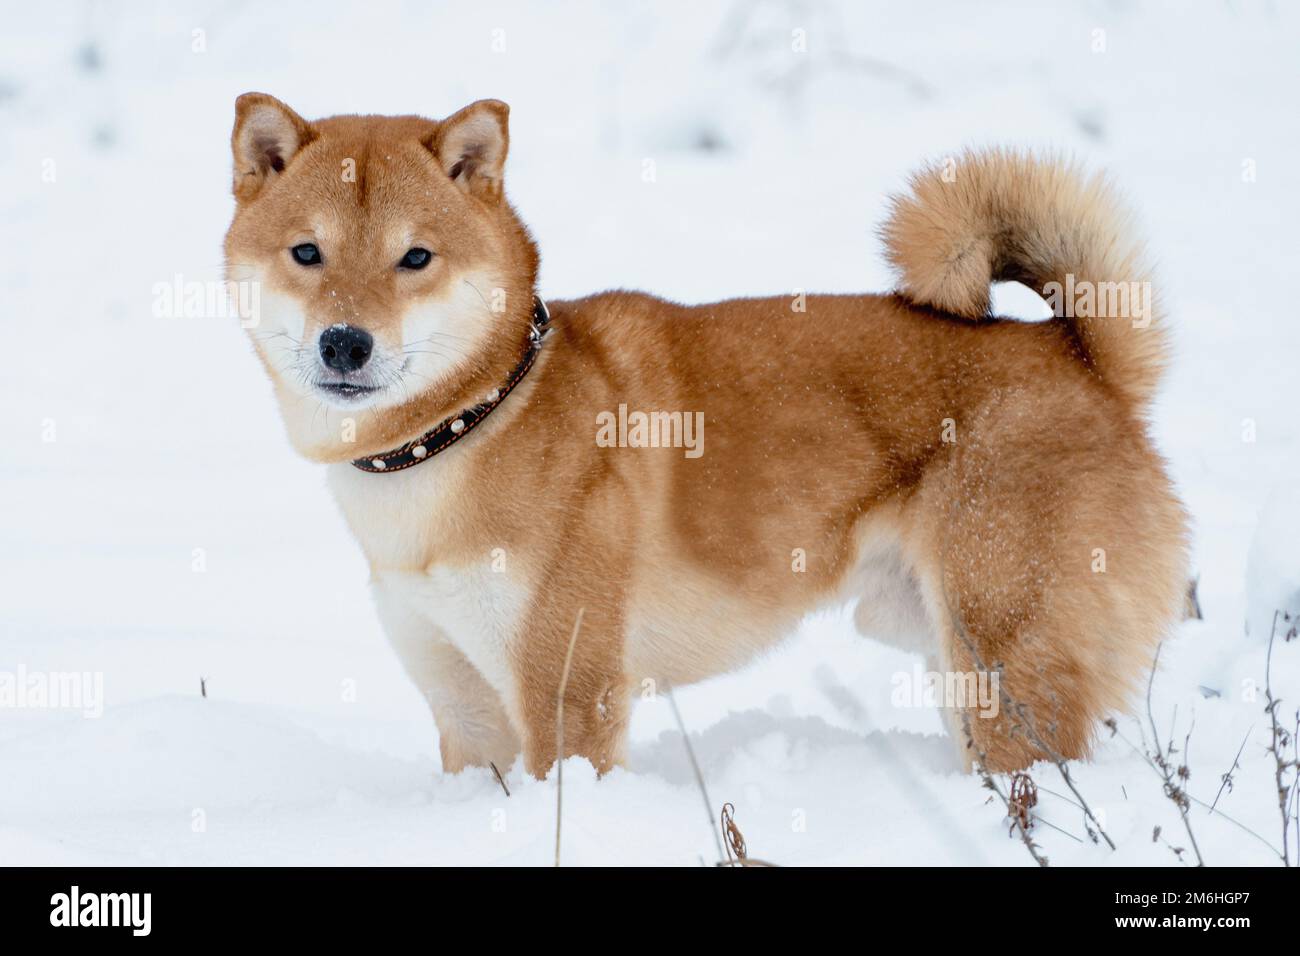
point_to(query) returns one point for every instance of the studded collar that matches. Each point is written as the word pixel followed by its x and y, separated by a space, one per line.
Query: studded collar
pixel 451 430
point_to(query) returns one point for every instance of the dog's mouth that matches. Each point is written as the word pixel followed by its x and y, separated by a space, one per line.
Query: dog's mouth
pixel 347 392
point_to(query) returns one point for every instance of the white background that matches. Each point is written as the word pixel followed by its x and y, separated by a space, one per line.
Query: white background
pixel 772 168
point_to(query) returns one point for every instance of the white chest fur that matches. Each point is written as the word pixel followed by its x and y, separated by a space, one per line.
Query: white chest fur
pixel 475 602
pixel 475 608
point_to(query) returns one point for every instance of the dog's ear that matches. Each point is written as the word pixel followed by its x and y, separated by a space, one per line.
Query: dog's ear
pixel 471 147
pixel 266 138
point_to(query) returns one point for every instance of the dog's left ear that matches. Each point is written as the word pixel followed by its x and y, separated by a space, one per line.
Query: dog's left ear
pixel 471 147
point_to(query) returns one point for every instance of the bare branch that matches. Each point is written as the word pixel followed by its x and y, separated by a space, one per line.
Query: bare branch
pixel 1227 777
pixel 695 766
pixel 500 779
pixel 1174 778
pixel 1278 746
pixel 1018 823
pixel 559 732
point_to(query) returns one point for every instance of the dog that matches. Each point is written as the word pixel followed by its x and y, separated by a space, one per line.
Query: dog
pixel 545 520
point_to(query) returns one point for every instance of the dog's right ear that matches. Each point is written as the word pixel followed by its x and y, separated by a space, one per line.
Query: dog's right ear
pixel 266 138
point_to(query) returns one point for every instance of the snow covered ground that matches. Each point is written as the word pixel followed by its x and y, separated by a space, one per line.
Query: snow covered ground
pixel 157 530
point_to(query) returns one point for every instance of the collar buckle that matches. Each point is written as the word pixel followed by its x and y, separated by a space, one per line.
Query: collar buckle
pixel 540 327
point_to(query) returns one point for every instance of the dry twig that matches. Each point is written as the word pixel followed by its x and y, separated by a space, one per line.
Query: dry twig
pixel 1174 777
pixel 1227 777
pixel 991 784
pixel 500 779
pixel 1021 802
pixel 695 766
pixel 1280 740
pixel 1145 755
pixel 735 840
pixel 559 731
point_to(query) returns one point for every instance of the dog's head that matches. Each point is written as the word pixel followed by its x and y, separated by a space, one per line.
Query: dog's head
pixel 394 280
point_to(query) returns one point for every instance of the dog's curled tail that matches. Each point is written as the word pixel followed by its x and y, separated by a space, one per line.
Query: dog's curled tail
pixel 1000 215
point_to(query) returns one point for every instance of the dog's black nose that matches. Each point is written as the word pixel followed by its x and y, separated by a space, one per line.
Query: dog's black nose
pixel 345 348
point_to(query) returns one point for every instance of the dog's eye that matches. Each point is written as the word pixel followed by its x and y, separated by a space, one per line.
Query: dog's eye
pixel 306 254
pixel 415 259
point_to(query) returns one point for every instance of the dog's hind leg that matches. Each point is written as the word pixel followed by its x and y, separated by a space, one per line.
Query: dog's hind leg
pixel 890 608
pixel 1055 563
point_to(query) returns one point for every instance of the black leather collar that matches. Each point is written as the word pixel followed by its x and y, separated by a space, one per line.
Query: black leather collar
pixel 451 430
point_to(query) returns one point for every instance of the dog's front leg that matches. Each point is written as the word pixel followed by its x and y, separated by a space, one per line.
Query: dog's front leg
pixel 597 695
pixel 473 726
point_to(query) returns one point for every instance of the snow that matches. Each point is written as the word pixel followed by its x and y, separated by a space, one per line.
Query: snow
pixel 158 528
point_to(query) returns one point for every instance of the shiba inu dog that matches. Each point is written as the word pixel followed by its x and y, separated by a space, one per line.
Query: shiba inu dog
pixel 984 488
